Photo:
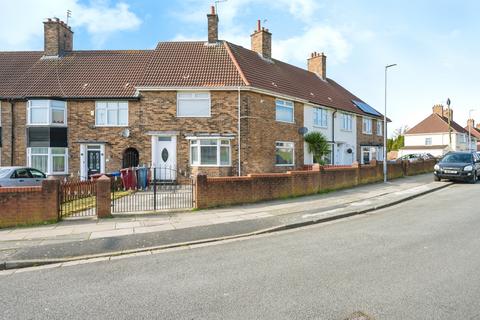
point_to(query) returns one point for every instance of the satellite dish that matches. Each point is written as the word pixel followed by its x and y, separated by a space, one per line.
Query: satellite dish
pixel 302 130
pixel 126 133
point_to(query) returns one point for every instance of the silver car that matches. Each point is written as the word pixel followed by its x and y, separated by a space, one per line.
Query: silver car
pixel 20 177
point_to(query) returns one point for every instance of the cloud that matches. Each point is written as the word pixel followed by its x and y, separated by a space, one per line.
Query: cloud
pixel 98 17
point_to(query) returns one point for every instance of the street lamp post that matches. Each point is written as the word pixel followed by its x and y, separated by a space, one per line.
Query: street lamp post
pixel 470 129
pixel 385 126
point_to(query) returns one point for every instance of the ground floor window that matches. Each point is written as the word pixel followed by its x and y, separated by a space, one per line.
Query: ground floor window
pixel 284 153
pixel 48 160
pixel 210 152
pixel 369 153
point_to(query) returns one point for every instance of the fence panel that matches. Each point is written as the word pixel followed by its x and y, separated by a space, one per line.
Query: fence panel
pixel 144 190
pixel 78 199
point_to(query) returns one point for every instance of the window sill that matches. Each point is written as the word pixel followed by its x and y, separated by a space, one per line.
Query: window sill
pixel 293 122
pixel 369 133
pixel 111 126
pixel 210 165
pixel 345 130
pixel 194 116
pixel 46 125
pixel 284 165
pixel 320 127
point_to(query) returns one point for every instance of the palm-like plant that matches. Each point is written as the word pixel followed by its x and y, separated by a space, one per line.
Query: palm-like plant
pixel 318 146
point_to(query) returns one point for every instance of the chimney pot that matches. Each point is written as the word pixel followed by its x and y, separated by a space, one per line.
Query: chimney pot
pixel 212 9
pixel 259 25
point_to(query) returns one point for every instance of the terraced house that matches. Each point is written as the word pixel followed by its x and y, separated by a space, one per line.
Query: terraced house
pixel 206 106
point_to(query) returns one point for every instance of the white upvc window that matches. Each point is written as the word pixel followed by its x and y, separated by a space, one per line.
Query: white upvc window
pixel 367 125
pixel 214 152
pixel 284 111
pixel 48 160
pixel 320 117
pixel 379 128
pixel 284 153
pixel 111 113
pixel 428 141
pixel 193 104
pixel 46 113
pixel 347 122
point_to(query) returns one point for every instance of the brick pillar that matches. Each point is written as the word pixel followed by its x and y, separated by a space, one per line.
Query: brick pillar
pixel 51 189
pixel 201 191
pixel 356 165
pixel 104 202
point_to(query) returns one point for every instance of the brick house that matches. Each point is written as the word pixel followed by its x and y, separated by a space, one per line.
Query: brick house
pixel 435 135
pixel 211 107
pixel 474 132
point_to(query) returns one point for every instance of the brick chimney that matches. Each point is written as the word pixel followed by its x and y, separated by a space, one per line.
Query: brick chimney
pixel 448 113
pixel 58 38
pixel 212 26
pixel 317 63
pixel 471 123
pixel 438 109
pixel 262 41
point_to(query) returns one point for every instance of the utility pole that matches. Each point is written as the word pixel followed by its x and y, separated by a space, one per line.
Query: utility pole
pixel 449 125
pixel 385 126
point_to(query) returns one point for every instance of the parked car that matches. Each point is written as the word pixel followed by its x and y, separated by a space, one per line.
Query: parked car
pixel 20 177
pixel 464 166
pixel 412 157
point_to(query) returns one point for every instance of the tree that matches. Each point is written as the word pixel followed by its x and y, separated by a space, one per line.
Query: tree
pixel 398 140
pixel 318 146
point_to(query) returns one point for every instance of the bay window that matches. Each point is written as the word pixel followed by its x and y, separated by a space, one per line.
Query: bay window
pixel 47 112
pixel 193 104
pixel 111 113
pixel 284 153
pixel 284 110
pixel 210 152
pixel 48 160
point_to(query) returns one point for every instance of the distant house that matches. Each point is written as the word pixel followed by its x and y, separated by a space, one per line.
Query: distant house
pixel 474 132
pixel 434 135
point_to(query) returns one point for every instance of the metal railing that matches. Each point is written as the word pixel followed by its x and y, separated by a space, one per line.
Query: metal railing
pixel 78 198
pixel 143 190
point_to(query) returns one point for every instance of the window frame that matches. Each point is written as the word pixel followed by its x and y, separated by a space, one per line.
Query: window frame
pixel 49 108
pixel 195 142
pixel 321 114
pixel 364 128
pixel 106 108
pixel 50 155
pixel 198 99
pixel 347 119
pixel 285 104
pixel 379 127
pixel 293 154
pixel 428 139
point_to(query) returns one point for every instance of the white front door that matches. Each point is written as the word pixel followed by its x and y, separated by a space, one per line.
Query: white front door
pixel 164 157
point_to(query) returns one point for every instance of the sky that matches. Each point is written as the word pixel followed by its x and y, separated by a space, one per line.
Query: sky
pixel 434 42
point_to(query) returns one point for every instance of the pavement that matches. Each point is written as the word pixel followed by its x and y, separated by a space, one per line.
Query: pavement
pixel 93 238
pixel 415 260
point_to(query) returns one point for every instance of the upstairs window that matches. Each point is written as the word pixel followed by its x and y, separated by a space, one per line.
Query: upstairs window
pixel 284 111
pixel 367 125
pixel 428 141
pixel 379 128
pixel 193 104
pixel 111 113
pixel 320 118
pixel 347 122
pixel 47 113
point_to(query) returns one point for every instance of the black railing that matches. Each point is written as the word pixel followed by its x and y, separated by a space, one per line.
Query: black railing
pixel 156 189
pixel 78 198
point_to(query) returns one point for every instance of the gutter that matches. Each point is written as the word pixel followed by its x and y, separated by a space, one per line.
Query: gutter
pixel 239 171
pixel 12 132
pixel 333 135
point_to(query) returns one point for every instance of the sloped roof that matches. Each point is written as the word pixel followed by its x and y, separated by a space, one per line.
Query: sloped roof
pixel 191 64
pixel 435 123
pixel 106 73
pixel 117 73
pixel 473 131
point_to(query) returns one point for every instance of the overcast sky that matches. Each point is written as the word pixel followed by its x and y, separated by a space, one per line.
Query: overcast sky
pixel 434 42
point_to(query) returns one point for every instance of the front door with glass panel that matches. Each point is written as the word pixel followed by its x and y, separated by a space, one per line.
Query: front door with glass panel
pixel 166 158
pixel 93 162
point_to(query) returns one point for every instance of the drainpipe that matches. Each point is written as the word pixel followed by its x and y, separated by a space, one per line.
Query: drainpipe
pixel 239 170
pixel 12 133
pixel 333 136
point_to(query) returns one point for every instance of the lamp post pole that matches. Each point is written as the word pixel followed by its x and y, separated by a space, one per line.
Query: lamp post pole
pixel 385 126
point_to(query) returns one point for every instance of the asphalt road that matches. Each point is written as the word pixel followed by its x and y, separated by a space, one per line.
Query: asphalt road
pixel 417 260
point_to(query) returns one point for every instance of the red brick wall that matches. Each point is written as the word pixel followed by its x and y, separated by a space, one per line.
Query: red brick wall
pixel 29 205
pixel 223 191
